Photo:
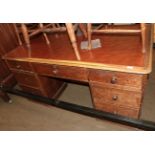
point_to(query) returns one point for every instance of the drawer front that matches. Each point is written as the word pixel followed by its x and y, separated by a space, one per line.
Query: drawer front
pixel 66 72
pixel 116 78
pixel 28 79
pixel 32 90
pixel 116 109
pixel 111 97
pixel 19 65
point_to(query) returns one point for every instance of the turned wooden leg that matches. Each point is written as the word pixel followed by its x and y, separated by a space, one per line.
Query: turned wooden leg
pixel 54 26
pixel 89 26
pixel 5 96
pixel 58 25
pixel 83 29
pixel 25 34
pixel 17 33
pixel 45 35
pixel 72 37
pixel 142 25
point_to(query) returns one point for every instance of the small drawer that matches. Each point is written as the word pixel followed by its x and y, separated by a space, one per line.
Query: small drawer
pixel 31 90
pixel 111 97
pixel 66 72
pixel 27 79
pixel 20 65
pixel 116 78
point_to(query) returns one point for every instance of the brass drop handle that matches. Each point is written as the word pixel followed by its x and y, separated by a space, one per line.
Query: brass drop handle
pixel 55 71
pixel 114 80
pixel 18 66
pixel 115 97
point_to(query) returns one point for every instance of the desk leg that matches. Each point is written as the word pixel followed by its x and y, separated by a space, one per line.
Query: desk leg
pixel 5 96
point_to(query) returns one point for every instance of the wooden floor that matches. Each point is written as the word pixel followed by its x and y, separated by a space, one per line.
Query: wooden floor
pixel 116 49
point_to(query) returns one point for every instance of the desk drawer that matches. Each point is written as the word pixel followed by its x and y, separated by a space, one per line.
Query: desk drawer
pixel 27 79
pixel 66 72
pixel 115 109
pixel 20 65
pixel 111 97
pixel 116 78
pixel 32 90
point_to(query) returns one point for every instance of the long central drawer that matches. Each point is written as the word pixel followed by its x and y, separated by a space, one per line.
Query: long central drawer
pixel 66 72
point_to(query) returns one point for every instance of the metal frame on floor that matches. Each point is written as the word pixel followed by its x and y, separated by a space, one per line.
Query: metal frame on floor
pixel 137 123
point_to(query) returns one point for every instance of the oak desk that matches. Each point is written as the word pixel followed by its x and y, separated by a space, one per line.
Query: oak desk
pixel 116 73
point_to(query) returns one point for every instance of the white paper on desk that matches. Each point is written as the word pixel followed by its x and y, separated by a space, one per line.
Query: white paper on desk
pixel 95 44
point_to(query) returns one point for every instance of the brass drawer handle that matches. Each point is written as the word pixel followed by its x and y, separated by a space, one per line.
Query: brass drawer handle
pixel 55 71
pixel 18 66
pixel 115 98
pixel 114 80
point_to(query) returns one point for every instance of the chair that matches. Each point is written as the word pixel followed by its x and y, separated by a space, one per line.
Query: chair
pixel 29 30
pixel 100 29
pixel 72 37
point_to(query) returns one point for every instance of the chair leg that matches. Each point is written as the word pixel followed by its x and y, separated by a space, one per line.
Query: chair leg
pixel 58 25
pixel 83 29
pixel 72 37
pixel 25 34
pixel 54 25
pixel 89 26
pixel 17 33
pixel 45 35
pixel 142 25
